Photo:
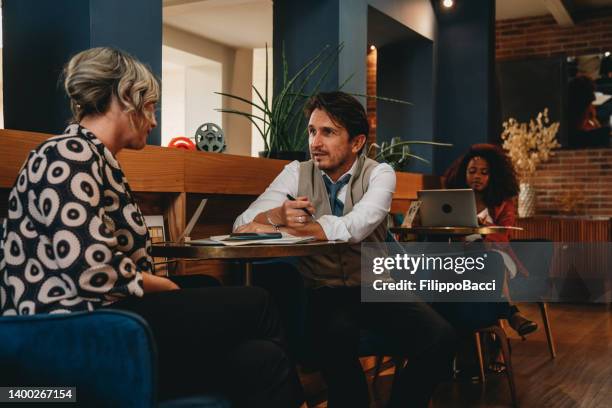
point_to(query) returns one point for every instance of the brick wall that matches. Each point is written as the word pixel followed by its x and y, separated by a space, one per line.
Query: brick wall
pixel 543 37
pixel 371 90
pixel 575 182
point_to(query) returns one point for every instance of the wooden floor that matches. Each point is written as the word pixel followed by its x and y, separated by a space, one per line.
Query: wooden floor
pixel 580 376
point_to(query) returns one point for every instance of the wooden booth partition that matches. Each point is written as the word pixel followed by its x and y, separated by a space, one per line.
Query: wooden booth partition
pixel 172 182
pixel 582 259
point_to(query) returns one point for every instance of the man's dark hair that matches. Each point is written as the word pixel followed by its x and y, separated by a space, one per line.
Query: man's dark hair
pixel 343 109
pixel 502 176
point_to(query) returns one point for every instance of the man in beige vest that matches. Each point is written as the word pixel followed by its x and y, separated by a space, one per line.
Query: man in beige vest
pixel 348 197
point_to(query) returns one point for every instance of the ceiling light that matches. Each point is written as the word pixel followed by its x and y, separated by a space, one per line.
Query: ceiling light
pixel 372 47
pixel 607 54
pixel 448 3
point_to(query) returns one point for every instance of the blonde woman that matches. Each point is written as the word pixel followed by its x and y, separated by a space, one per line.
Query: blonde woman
pixel 75 240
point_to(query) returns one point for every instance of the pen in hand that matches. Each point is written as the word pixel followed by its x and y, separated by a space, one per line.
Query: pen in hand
pixel 290 197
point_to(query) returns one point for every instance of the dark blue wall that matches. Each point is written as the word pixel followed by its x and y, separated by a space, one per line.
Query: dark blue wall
pixel 304 28
pixel 40 37
pixel 464 72
pixel 406 72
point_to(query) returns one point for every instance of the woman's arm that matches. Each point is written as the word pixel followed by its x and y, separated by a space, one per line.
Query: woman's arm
pixel 152 283
pixel 503 216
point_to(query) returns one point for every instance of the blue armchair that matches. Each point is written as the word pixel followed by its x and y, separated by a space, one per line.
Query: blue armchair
pixel 108 355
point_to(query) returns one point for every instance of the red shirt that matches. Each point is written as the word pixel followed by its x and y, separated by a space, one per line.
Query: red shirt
pixel 505 215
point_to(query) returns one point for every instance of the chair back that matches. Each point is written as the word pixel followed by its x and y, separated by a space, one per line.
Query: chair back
pixel 108 355
pixel 537 261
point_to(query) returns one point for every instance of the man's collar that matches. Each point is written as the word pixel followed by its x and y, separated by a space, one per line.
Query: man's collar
pixel 351 171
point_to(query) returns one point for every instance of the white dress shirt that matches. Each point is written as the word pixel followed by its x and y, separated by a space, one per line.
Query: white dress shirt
pixel 355 226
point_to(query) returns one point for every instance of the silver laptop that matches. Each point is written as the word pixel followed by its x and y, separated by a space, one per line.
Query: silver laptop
pixel 448 208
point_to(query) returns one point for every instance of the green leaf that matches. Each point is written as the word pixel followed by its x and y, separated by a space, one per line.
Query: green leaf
pixel 242 100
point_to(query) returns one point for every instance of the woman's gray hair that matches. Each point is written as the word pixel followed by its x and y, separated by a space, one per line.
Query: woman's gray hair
pixel 92 77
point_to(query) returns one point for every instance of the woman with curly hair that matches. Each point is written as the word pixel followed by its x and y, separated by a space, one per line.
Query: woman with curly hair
pixel 487 170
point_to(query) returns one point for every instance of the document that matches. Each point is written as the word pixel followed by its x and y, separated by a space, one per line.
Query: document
pixel 222 240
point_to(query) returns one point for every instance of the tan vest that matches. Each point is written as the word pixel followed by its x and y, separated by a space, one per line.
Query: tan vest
pixel 342 269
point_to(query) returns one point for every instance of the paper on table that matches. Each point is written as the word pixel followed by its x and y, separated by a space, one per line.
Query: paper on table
pixel 286 239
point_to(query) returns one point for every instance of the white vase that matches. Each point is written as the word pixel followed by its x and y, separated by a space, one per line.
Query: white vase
pixel 526 201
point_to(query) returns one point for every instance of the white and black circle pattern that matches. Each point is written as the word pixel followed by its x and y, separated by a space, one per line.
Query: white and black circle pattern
pixel 33 208
pixel 18 288
pixel 108 221
pixel 71 211
pixel 97 254
pixel 27 229
pixel 72 289
pixel 111 159
pixel 34 271
pixel 73 214
pixel 134 219
pixel 125 240
pixel 142 260
pixel 22 181
pixel 36 167
pixel 2 297
pixel 75 149
pixel 84 187
pixel 13 249
pixel 58 172
pixel 53 290
pixel 48 205
pixel 111 201
pixel 127 267
pixel 46 147
pixel 72 130
pixel 98 279
pixel 27 307
pixel 117 185
pixel 71 301
pixel 100 232
pixel 15 209
pixel 67 248
pixel 45 253
pixel 145 264
pixel 96 172
pixel 135 287
pixel 59 311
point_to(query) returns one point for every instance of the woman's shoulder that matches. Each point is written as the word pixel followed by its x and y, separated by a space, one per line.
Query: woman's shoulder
pixel 54 160
pixel 504 209
pixel 73 146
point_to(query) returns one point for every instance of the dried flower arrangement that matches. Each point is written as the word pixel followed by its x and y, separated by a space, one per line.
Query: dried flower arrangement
pixel 529 144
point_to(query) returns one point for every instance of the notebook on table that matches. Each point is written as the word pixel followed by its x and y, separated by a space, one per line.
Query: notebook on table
pixel 285 239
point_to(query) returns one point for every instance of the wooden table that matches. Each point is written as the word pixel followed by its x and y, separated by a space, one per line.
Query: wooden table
pixel 449 231
pixel 246 254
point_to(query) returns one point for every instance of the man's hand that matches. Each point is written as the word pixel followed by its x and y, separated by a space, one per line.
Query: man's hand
pixel 293 215
pixel 255 227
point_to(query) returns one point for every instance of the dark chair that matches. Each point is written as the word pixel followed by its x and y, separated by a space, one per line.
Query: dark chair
pixel 108 355
pixel 482 320
pixel 538 282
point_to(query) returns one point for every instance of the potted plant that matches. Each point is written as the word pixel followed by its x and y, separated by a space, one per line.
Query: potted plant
pixel 280 120
pixel 397 153
pixel 529 144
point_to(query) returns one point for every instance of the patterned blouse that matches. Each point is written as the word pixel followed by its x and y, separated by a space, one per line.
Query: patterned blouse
pixel 74 238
